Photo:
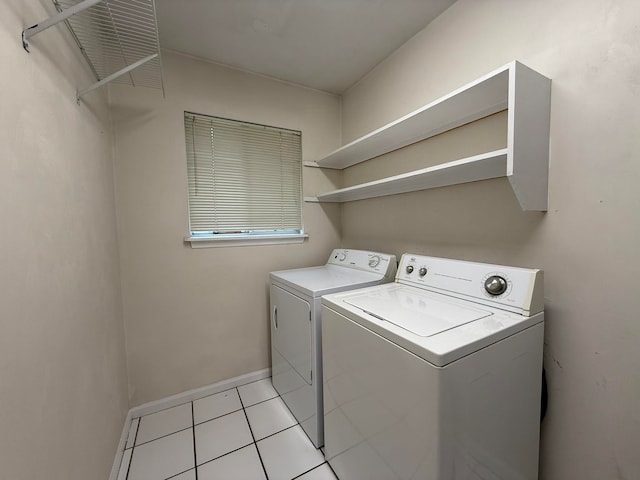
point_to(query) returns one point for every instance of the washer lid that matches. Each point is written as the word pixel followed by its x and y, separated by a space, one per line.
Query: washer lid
pixel 419 314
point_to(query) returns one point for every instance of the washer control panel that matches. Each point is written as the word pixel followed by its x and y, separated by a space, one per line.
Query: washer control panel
pixel 516 289
pixel 362 260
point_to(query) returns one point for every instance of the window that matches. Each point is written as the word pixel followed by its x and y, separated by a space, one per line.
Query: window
pixel 245 180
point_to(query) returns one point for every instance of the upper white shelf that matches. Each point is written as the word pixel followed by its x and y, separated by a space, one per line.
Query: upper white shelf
pixel 522 91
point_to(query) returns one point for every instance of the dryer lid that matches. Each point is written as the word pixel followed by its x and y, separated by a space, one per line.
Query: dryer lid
pixel 318 281
pixel 419 314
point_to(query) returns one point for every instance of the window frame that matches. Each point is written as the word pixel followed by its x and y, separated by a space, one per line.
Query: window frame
pixel 204 239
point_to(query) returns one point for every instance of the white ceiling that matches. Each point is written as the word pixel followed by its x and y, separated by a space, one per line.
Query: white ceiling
pixel 324 44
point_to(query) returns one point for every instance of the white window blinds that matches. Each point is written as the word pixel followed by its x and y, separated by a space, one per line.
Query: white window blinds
pixel 244 178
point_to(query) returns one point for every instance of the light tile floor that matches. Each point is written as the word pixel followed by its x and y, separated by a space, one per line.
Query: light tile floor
pixel 244 433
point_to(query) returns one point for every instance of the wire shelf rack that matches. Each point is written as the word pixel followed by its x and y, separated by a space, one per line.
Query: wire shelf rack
pixel 118 38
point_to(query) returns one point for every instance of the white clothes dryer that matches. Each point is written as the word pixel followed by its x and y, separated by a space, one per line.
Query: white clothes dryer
pixel 296 350
pixel 436 376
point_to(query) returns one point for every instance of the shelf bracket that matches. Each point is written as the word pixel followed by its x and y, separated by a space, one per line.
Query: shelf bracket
pixel 29 32
pixel 113 76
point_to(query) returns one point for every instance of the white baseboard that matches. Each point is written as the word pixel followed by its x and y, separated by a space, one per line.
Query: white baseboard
pixel 115 469
pixel 191 395
pixel 179 399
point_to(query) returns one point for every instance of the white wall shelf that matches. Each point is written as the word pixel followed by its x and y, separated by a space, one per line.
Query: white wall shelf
pixel 523 92
pixel 479 167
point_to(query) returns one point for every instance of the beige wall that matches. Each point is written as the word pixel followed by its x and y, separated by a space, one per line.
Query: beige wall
pixel 587 242
pixel 194 317
pixel 63 387
pixel 197 316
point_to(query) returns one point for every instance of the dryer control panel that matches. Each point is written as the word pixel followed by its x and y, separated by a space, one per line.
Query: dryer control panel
pixel 382 263
pixel 519 290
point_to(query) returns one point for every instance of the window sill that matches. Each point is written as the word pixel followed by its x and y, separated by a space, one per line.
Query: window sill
pixel 245 240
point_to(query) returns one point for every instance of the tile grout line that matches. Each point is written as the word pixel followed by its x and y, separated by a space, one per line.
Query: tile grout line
pixel 234 411
pixel 248 444
pixel 310 470
pixel 193 431
pixel 226 454
pixel 252 435
pixel 193 423
pixel 180 473
pixel 261 401
pixel 279 431
pixel 163 436
pixel 129 466
pixel 167 408
pixel 133 447
pixel 215 418
pixel 330 467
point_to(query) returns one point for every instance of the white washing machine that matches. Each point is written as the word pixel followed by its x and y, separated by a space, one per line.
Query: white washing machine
pixel 296 350
pixel 436 376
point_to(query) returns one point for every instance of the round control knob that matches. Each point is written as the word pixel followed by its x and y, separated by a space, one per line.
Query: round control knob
pixel 409 268
pixel 495 285
pixel 342 256
pixel 422 271
pixel 374 261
